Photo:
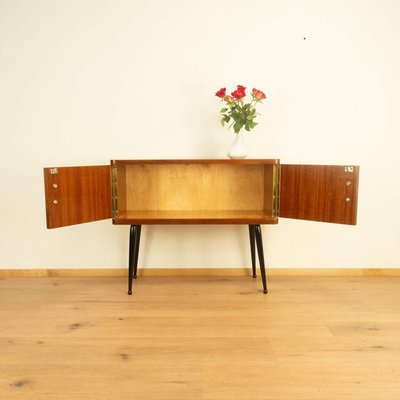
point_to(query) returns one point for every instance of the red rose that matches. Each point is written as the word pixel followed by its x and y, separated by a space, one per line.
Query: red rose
pixel 221 93
pixel 258 94
pixel 239 93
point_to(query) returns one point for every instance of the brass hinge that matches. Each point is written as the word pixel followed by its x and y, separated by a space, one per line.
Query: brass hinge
pixel 114 191
pixel 276 177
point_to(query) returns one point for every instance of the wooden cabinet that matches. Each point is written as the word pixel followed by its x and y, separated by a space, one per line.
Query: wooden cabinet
pixel 200 192
pixel 251 192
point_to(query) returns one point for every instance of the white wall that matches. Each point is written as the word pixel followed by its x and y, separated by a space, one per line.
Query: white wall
pixel 83 82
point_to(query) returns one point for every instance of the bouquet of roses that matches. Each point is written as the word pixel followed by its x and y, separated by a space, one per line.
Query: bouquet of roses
pixel 242 114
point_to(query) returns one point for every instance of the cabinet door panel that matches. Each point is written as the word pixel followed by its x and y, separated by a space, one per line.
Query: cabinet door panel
pixel 325 193
pixel 75 195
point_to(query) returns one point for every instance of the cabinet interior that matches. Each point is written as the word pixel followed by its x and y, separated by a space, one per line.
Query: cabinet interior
pixel 155 191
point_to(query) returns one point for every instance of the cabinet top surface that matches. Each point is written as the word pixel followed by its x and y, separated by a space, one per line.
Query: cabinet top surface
pixel 199 161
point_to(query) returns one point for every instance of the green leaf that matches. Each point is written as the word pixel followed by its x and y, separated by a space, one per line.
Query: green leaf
pixel 222 110
pixel 223 121
pixel 253 124
pixel 237 126
pixel 227 118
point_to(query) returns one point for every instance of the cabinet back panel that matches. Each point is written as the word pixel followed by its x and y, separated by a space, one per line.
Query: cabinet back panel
pixel 172 187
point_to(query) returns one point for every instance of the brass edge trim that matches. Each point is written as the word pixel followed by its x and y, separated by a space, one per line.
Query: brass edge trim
pixel 114 191
pixel 276 190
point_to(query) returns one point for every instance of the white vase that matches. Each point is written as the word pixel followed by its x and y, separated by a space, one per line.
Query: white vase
pixel 237 150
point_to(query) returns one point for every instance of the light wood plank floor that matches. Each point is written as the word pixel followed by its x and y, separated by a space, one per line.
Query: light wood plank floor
pixel 200 338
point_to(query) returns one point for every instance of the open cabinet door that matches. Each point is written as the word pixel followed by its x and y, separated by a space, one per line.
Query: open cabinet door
pixel 75 195
pixel 325 193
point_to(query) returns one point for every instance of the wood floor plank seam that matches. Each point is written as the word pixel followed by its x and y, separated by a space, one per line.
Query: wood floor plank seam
pixel 118 272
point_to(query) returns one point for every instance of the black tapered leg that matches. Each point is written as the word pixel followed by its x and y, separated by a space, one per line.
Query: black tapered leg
pixel 137 243
pixel 132 235
pixel 260 251
pixel 134 241
pixel 253 249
